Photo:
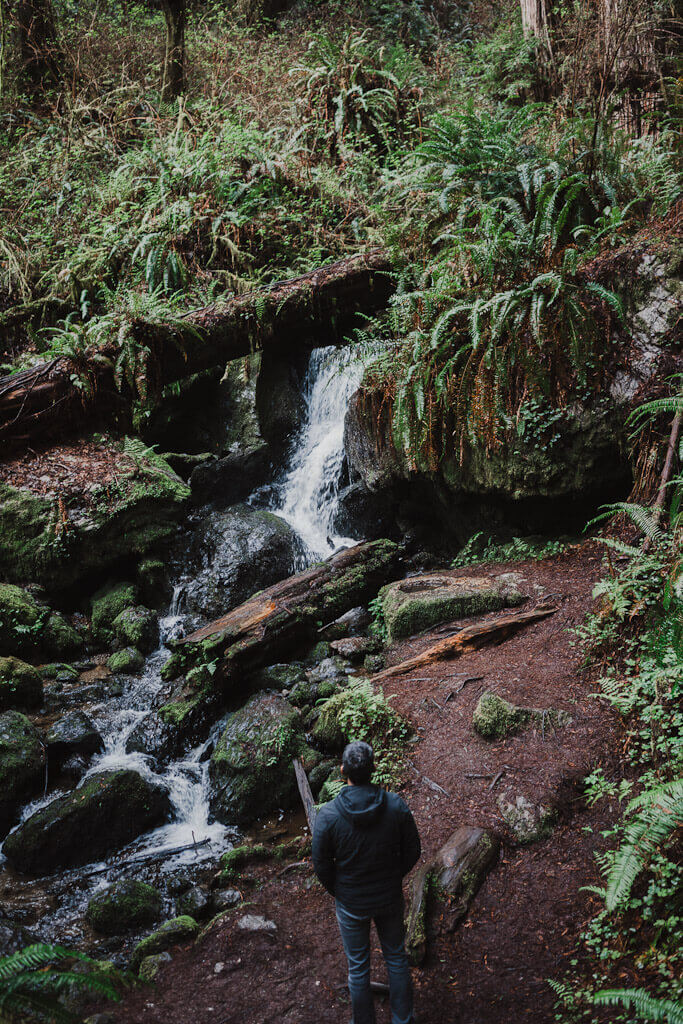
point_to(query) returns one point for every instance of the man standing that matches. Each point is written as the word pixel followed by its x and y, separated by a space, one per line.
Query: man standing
pixel 364 842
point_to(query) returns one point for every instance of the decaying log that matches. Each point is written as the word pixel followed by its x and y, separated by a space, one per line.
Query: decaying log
pixel 454 874
pixel 270 625
pixel 305 793
pixel 318 308
pixel 469 639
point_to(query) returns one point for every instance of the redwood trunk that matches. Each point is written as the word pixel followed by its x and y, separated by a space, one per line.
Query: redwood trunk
pixel 174 58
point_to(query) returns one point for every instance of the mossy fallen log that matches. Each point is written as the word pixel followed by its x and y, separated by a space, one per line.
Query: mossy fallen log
pixel 315 309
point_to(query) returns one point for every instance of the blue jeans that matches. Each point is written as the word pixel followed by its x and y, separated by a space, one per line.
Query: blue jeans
pixel 355 934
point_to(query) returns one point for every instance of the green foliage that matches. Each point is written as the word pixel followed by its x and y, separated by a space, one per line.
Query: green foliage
pixel 666 1011
pixel 32 984
pixel 378 626
pixel 480 549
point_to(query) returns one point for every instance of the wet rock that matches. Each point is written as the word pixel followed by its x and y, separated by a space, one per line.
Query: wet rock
pixel 243 550
pixel 28 627
pixel 14 937
pixel 279 677
pixel 366 514
pixel 307 693
pixel 354 648
pixel 177 884
pixel 256 923
pixel 22 766
pixel 493 718
pixel 318 653
pixel 319 776
pixel 153 583
pixel 107 603
pixel 137 627
pixel 21 686
pixel 150 966
pixel 106 812
pixel 172 933
pixel 329 670
pixel 128 661
pixel 251 768
pixel 60 672
pixel 141 513
pixel 225 899
pixel 414 604
pixel 124 906
pixel 74 734
pixel 355 622
pixel 529 822
pixel 194 903
pixel 74 768
pixel 153 736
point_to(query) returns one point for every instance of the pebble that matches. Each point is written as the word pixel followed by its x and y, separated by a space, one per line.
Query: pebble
pixel 256 923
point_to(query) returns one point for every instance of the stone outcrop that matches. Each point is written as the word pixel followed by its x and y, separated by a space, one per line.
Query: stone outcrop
pixel 124 906
pixel 22 766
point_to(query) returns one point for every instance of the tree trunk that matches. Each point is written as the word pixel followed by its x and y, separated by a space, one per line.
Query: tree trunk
pixel 37 41
pixel 535 21
pixel 318 308
pixel 174 59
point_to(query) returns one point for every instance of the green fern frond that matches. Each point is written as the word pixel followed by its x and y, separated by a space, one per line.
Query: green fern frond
pixel 661 1011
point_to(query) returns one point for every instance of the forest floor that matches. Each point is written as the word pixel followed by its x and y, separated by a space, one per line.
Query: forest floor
pixel 523 924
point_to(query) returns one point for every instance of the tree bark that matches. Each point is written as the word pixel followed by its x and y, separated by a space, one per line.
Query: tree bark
pixel 38 46
pixel 318 308
pixel 174 58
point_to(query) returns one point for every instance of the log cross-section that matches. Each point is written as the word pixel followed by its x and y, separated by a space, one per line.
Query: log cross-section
pixel 318 308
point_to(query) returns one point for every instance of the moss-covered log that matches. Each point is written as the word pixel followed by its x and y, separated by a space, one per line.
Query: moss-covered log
pixel 318 308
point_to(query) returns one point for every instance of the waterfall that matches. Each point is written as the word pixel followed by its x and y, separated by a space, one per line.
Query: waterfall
pixel 309 491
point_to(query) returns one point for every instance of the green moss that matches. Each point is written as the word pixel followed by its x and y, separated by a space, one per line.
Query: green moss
pixel 128 661
pixel 171 933
pixel 126 905
pixel 22 764
pixel 27 627
pixel 137 627
pixel 107 604
pixel 21 686
pixel 239 856
pixel 494 718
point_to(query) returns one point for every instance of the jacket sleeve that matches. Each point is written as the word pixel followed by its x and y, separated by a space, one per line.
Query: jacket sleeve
pixel 411 847
pixel 323 852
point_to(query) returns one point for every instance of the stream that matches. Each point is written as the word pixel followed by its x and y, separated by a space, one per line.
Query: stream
pixel 305 496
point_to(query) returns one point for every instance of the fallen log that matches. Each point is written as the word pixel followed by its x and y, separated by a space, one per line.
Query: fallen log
pixel 315 309
pixel 272 623
pixel 468 639
pixel 455 874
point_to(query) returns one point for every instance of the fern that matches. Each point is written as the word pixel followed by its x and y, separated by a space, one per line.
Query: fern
pixel 663 1011
pixel 659 815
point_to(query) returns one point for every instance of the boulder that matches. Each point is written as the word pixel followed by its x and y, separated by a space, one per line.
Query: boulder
pixel 307 693
pixel 354 648
pixel 21 686
pixel 74 734
pixel 242 550
pixel 529 822
pixel 124 906
pixel 28 627
pixel 355 622
pixel 102 525
pixel 150 966
pixel 109 810
pixel 493 717
pixel 251 767
pixel 14 937
pixel 154 736
pixel 137 627
pixel 128 661
pixel 194 903
pixel 107 603
pixel 22 766
pixel 278 677
pixel 256 923
pixel 280 399
pixel 171 933
pixel 419 602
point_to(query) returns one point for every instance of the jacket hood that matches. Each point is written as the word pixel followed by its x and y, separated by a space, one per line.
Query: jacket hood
pixel 361 805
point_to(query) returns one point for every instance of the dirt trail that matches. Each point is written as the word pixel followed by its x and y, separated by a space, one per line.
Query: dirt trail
pixel 523 924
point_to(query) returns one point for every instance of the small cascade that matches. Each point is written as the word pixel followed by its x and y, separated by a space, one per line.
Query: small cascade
pixel 308 494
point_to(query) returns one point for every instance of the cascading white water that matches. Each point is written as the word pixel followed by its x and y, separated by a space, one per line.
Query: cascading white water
pixel 308 495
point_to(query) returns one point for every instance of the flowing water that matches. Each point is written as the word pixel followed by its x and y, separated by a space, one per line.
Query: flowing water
pixel 307 500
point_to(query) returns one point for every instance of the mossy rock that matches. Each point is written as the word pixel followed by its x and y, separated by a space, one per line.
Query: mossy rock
pixel 251 767
pixel 22 766
pixel 150 966
pixel 124 906
pixel 28 627
pixel 529 822
pixel 109 810
pixel 107 603
pixel 128 661
pixel 137 627
pixel 95 530
pixel 493 718
pixel 328 732
pixel 77 734
pixel 420 602
pixel 60 671
pixel 279 677
pixel 306 693
pixel 172 933
pixel 321 773
pixel 21 685
pixel 153 582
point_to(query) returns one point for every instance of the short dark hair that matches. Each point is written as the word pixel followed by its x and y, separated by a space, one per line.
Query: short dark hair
pixel 358 762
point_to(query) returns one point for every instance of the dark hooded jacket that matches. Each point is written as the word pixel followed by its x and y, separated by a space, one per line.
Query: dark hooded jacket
pixel 364 842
